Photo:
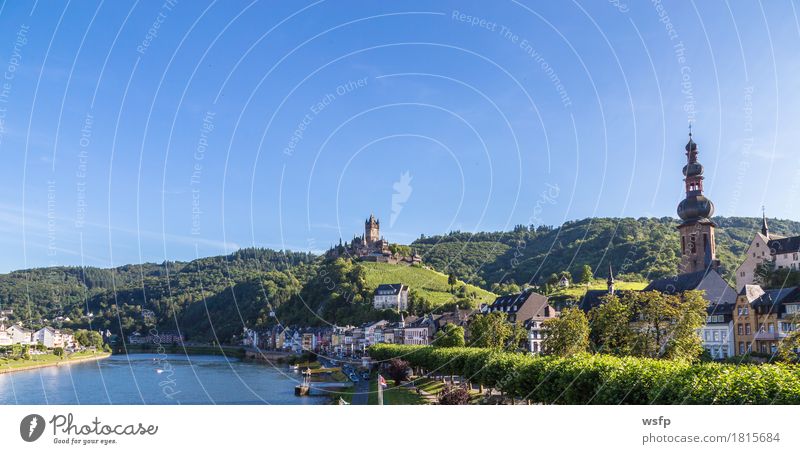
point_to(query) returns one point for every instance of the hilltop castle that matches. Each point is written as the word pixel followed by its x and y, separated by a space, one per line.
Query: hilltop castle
pixel 371 246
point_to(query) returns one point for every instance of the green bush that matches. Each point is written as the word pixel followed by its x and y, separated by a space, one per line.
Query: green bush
pixel 603 379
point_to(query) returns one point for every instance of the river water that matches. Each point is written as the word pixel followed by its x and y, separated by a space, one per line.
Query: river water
pixel 147 378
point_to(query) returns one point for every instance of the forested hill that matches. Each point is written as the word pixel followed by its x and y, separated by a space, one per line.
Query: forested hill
pixel 637 249
pixel 259 287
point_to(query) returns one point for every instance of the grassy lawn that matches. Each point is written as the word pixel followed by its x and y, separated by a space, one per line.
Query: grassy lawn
pixel 346 394
pixel 393 395
pixel 429 385
pixel 38 360
pixel 429 283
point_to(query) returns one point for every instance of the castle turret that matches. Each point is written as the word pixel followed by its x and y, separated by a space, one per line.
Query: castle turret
pixel 372 230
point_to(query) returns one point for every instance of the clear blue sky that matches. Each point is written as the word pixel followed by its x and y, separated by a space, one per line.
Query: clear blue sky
pixel 144 131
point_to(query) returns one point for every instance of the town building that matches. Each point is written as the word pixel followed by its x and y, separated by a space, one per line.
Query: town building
pixel 744 318
pixel 391 296
pixel 780 252
pixel 5 338
pixel 419 330
pixel 771 313
pixel 20 335
pixel 528 309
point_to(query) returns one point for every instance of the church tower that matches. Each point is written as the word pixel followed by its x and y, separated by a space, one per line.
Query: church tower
pixel 372 230
pixel 698 249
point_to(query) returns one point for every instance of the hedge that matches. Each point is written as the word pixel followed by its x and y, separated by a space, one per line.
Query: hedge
pixel 603 379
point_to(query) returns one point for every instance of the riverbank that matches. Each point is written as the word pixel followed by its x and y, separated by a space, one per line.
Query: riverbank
pixel 40 361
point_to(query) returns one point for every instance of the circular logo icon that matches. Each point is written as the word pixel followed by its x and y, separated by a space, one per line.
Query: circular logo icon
pixel 31 427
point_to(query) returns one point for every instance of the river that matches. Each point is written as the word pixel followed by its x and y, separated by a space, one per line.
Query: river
pixel 142 379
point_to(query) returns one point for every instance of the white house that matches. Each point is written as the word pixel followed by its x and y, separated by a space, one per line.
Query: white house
pixel 20 335
pixel 391 296
pixel 52 338
pixel 717 333
pixel 5 338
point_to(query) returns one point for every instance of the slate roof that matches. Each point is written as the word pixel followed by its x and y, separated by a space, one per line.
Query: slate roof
pixel 591 299
pixel 720 309
pixel 510 303
pixel 717 290
pixel 777 298
pixel 784 245
pixel 390 289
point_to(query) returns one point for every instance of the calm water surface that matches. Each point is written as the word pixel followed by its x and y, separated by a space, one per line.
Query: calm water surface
pixel 135 379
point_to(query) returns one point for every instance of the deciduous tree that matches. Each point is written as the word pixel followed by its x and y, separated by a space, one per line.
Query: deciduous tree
pixel 567 334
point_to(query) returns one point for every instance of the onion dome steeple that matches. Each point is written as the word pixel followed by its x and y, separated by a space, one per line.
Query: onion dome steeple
pixel 695 207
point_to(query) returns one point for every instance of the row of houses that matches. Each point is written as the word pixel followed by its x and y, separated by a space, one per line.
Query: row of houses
pixel 352 340
pixel 47 336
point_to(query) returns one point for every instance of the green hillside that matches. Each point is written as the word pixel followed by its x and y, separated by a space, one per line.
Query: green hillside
pixel 638 249
pixel 428 283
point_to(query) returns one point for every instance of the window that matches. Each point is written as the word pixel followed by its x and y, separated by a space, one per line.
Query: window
pixel 707 335
pixel 792 308
pixel 739 310
pixel 716 336
pixel 739 329
pixel 771 327
pixel 746 310
pixel 742 274
pixel 741 348
pixel 747 328
pixel 683 244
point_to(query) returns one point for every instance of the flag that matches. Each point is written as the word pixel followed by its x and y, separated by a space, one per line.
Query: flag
pixel 381 381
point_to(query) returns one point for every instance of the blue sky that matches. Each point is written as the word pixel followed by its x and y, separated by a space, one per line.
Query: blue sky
pixel 145 131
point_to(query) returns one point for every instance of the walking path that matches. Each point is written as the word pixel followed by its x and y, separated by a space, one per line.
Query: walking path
pixel 361 393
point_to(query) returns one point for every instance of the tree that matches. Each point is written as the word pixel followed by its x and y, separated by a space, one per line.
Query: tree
pixel 566 335
pixel 505 289
pixel 490 330
pixel 684 342
pixel 454 395
pixel 88 338
pixel 451 281
pixel 58 351
pixel 398 370
pixel 611 326
pixel 790 345
pixel 586 275
pixel 449 336
pixel 654 312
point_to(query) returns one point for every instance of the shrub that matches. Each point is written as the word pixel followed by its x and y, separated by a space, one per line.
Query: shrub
pixel 604 379
pixel 454 395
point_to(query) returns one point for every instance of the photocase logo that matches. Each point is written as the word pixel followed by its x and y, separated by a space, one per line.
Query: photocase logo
pixel 31 427
pixel 402 191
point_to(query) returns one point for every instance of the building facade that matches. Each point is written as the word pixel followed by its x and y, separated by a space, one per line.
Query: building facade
pixel 779 251
pixel 391 296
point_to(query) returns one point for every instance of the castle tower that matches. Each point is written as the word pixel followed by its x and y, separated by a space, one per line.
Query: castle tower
pixel 372 230
pixel 698 248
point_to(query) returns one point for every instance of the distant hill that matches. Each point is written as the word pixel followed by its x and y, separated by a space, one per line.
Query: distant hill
pixel 638 249
pixel 260 287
